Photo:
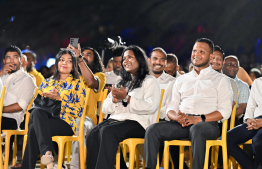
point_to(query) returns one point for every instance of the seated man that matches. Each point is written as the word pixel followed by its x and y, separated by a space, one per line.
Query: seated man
pixel 199 99
pixel 20 88
pixel 30 66
pixel 216 62
pixel 172 66
pixel 230 68
pixel 114 76
pixel 91 70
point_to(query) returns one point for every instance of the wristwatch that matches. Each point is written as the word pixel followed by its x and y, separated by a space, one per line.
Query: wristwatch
pixel 126 99
pixel 203 117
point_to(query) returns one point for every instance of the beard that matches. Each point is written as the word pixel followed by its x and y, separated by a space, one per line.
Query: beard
pixel 118 73
pixel 157 72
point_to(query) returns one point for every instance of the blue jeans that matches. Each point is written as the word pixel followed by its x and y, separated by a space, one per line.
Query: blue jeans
pixel 241 134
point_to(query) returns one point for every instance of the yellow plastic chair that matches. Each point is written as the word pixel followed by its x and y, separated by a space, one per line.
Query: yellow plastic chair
pixel 1 111
pixel 102 98
pixel 9 133
pixel 209 143
pixel 61 140
pixel 133 142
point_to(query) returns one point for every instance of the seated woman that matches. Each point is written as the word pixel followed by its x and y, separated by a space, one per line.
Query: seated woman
pixel 251 129
pixel 66 86
pixel 132 105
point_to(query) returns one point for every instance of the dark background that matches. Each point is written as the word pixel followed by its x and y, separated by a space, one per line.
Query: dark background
pixel 46 26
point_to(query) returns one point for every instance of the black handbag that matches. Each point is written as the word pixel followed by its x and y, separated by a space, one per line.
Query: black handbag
pixel 52 107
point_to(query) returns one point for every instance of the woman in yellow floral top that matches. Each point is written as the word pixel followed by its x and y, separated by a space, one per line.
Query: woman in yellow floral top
pixel 65 86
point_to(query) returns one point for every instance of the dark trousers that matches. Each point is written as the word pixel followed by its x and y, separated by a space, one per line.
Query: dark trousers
pixel 172 130
pixel 103 140
pixel 241 134
pixel 40 132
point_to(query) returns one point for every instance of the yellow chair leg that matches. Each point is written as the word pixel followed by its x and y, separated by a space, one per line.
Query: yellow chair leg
pixel 157 163
pixel 68 151
pixel 206 157
pixel 137 159
pixel 124 151
pixel 14 151
pixel 131 156
pixel 166 156
pixel 82 151
pixel 181 156
pixel 7 146
pixel 118 158
pixel 42 166
pixel 24 145
pixel 60 155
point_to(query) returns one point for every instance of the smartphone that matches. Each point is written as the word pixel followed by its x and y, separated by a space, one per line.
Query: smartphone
pixel 74 42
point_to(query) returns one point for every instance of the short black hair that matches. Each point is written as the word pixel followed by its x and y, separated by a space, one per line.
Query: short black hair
pixel 118 51
pixel 218 48
pixel 207 41
pixel 158 49
pixel 13 48
pixel 32 53
pixel 171 58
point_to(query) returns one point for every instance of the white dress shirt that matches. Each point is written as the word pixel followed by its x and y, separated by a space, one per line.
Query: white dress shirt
pixel 254 104
pixel 142 106
pixel 166 82
pixel 112 78
pixel 202 94
pixel 20 88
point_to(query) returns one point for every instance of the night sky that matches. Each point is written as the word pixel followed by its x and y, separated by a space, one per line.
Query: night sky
pixel 47 26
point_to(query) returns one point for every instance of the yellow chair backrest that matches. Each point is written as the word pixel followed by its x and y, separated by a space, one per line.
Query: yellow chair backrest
pixel 233 116
pixel 82 119
pixel 160 104
pixel 102 98
pixel 2 100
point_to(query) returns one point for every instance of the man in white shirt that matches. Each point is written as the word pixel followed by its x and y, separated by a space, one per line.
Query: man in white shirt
pixel 20 88
pixel 157 63
pixel 230 68
pixel 172 66
pixel 199 99
pixel 216 63
pixel 114 76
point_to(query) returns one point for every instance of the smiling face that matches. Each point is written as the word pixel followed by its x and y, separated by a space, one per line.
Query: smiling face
pixel 88 55
pixel 65 65
pixel 200 56
pixel 130 63
pixel 14 59
pixel 230 67
pixel 217 61
pixel 157 62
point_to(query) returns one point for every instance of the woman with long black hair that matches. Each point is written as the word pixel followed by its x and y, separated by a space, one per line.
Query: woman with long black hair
pixel 132 105
pixel 65 86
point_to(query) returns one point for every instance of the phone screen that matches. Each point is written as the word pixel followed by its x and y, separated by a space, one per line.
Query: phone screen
pixel 74 42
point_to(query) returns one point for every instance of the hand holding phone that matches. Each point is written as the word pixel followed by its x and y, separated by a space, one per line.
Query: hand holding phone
pixel 74 42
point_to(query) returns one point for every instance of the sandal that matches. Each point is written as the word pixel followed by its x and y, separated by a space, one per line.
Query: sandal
pixel 47 159
pixel 17 166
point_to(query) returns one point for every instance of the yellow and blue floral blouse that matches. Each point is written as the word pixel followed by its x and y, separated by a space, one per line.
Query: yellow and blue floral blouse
pixel 72 93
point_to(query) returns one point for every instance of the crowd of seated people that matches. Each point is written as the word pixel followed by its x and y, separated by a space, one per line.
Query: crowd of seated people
pixel 193 105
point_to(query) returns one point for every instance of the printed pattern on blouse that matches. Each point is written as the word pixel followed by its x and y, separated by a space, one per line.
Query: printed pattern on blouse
pixel 72 93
